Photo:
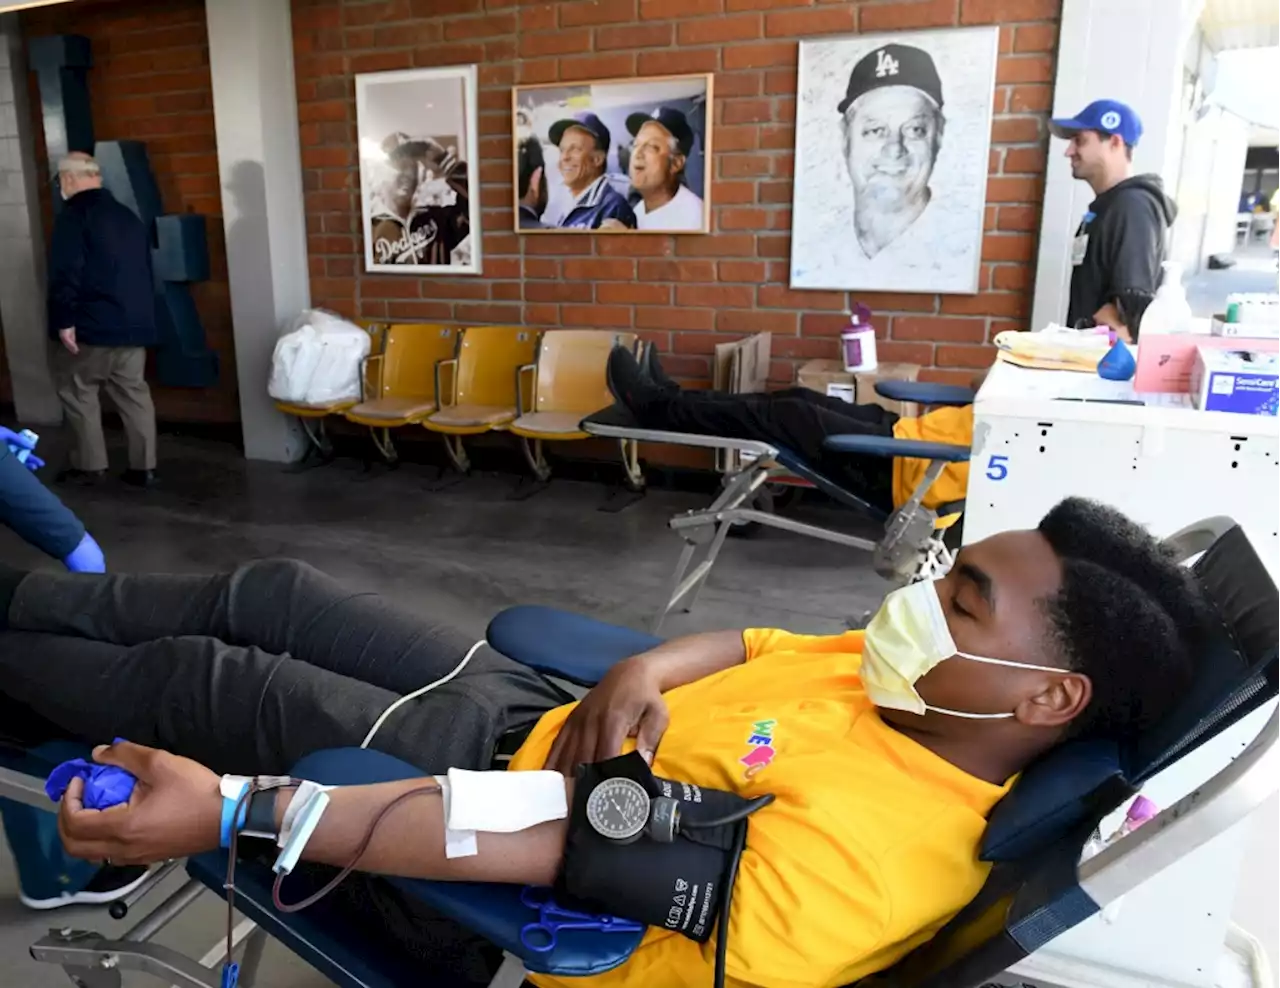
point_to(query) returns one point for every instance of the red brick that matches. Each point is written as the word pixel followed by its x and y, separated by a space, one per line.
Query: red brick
pixel 686 368
pixel 1022 218
pixel 773 245
pixel 682 270
pixel 701 342
pixel 964 356
pixel 744 165
pixel 760 56
pixel 597 66
pixel 505 291
pixel 387 10
pixel 534 72
pixel 381 61
pixel 1025 68
pixel 442 288
pixel 542 315
pixel 458 53
pixel 717 245
pixel 730 138
pixel 716 296
pixel 541 267
pixel 598 268
pixel 1008 304
pixel 680 319
pixel 778 297
pixel 732 5
pixel 1000 11
pixel 780 138
pixel 661 10
pixel 633 293
pixel 604 316
pixel 1036 37
pixel 469 312
pixel 679 62
pixel 555 43
pixel 896 16
pixel 1013 190
pixel 775 192
pixel 740 218
pixel 752 271
pixel 744 111
pixel 1030 98
pixel 1011 277
pixel 418 310
pixel 804 347
pixel 597 12
pixel 556 243
pixel 1008 247
pixel 951 328
pixel 753 321
pixel 502 267
pixel 821 20
pixel 893 302
pixel 716 30
pixel 1025 161
pixel 558 291
pixel 632 245
pixel 634 36
pixel 963 379
pixel 540 18
pixel 1015 130
pixel 889 351
pixel 738 84
pixel 492 25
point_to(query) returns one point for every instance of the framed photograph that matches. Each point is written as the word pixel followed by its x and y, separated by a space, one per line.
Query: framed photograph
pixel 893 133
pixel 419 186
pixel 615 155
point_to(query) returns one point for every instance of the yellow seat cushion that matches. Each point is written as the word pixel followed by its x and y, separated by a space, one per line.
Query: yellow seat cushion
pixel 403 409
pixel 560 425
pixel 471 417
pixel 304 410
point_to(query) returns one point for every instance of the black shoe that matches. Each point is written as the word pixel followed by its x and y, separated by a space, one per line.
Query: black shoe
pixel 79 478
pixel 656 374
pixel 145 479
pixel 107 885
pixel 627 382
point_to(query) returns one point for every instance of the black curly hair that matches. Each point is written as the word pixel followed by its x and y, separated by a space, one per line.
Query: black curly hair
pixel 1127 615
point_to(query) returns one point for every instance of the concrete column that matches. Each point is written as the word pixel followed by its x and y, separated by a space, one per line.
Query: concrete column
pixel 1130 50
pixel 22 244
pixel 255 111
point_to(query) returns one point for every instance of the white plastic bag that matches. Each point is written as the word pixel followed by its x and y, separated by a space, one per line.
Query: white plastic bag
pixel 317 361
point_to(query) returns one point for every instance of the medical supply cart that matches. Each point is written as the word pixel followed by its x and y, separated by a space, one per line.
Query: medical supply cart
pixel 1042 435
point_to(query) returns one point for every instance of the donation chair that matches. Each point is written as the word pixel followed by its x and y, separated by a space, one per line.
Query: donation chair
pixel 399 384
pixel 565 383
pixel 478 389
pixel 1036 890
pixel 912 547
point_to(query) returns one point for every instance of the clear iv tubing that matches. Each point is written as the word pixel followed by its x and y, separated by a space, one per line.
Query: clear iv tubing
pixel 382 718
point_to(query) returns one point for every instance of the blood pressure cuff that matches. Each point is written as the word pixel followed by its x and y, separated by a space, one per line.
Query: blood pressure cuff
pixel 676 886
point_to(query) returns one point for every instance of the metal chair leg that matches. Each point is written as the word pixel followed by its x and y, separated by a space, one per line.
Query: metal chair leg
pixel 457 453
pixel 387 448
pixel 254 947
pixel 535 456
pixel 631 465
pixel 511 974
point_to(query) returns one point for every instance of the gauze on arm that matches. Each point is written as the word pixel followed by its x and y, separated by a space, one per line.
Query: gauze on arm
pixel 497 803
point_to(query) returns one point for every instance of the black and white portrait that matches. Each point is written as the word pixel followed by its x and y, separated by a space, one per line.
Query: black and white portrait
pixel 417 132
pixel 893 134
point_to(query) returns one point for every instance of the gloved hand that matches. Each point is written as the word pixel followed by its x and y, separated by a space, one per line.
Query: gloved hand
pixel 20 441
pixel 87 557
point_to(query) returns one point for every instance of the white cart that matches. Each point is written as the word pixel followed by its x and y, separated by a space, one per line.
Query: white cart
pixel 1040 436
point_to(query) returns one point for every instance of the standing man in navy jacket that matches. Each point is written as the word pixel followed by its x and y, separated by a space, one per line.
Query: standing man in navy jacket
pixel 102 310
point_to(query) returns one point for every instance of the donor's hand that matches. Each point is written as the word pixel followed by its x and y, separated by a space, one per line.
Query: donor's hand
pixel 175 810
pixel 625 703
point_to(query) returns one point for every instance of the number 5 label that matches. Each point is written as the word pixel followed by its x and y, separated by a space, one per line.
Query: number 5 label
pixel 997 468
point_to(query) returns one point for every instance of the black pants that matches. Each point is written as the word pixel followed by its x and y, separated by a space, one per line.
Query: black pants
pixel 797 419
pixel 248 671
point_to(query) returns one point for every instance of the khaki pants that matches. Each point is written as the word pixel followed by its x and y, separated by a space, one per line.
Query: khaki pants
pixel 121 371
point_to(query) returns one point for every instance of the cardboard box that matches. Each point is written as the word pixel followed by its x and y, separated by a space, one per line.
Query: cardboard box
pixel 742 367
pixel 1166 360
pixel 829 377
pixel 1242 381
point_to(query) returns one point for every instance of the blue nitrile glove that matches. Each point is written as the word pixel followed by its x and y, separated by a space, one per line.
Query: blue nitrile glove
pixel 105 786
pixel 87 557
pixel 21 445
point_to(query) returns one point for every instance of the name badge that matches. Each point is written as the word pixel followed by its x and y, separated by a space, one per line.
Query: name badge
pixel 1078 246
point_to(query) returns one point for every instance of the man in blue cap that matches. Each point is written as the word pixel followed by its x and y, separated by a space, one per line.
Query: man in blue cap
pixel 584 148
pixel 1121 241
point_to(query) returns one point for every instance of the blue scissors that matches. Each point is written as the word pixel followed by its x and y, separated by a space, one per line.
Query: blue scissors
pixel 540 935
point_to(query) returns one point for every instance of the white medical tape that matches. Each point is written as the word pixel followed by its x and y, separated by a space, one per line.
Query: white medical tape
pixel 301 797
pixel 504 802
pixel 457 843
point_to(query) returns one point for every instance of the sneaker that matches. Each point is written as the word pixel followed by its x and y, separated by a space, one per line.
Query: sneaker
pixel 656 374
pixel 107 885
pixel 627 381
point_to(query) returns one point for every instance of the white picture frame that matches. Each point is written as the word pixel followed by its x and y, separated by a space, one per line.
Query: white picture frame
pixel 419 171
pixel 890 188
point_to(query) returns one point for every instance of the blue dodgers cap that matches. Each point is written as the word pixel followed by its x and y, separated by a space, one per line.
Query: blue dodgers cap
pixel 672 120
pixel 1109 116
pixel 585 120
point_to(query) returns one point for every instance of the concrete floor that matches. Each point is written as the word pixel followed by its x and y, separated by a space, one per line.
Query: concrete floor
pixel 466 551
pixel 1255 271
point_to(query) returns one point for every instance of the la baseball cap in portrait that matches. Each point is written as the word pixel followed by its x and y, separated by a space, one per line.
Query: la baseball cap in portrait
pixel 1108 116
pixel 893 65
pixel 672 120
pixel 588 121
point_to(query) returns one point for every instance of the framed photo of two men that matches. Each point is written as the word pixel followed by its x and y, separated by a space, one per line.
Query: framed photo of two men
pixel 893 137
pixel 615 155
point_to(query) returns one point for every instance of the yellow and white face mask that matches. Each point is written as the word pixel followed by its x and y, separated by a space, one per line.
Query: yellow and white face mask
pixel 908 637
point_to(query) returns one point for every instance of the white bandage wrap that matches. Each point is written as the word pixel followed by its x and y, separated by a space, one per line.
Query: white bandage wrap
pixel 497 803
pixel 301 797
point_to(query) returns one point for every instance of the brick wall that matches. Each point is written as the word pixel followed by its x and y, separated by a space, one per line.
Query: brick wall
pixel 687 293
pixel 150 82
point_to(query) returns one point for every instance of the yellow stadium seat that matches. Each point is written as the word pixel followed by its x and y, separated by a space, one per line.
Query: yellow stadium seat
pixel 477 389
pixel 400 383
pixel 311 417
pixel 564 386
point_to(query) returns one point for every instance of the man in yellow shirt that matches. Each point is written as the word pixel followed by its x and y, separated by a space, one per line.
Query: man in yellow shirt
pixel 885 750
pixel 800 420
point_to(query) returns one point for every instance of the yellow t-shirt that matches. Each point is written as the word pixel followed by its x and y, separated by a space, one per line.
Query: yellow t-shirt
pixel 870 847
pixel 943 425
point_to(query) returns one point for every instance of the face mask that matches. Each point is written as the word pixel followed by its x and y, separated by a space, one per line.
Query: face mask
pixel 907 637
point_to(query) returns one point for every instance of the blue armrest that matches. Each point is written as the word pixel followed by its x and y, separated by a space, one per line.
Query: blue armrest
pixel 494 912
pixel 570 646
pixel 886 446
pixel 924 393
